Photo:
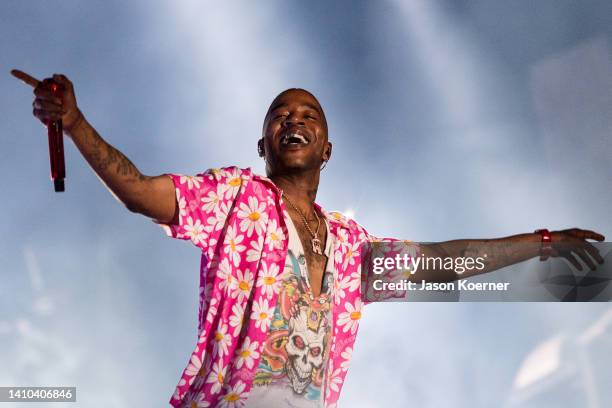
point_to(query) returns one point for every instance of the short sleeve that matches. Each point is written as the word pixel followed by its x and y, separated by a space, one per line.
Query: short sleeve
pixel 200 200
pixel 385 248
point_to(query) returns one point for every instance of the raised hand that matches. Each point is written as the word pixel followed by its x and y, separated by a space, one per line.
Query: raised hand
pixel 573 242
pixel 48 107
pixel 151 196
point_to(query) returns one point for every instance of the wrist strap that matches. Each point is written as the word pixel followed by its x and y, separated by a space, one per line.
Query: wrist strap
pixel 546 248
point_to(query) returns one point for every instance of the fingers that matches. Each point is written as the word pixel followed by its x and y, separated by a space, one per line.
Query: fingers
pixel 585 250
pixel 576 250
pixel 585 258
pixel 46 110
pixel 592 235
pixel 47 105
pixel 586 234
pixel 60 78
pixel 43 93
pixel 45 116
pixel 594 252
pixel 28 79
pixel 572 259
pixel 51 105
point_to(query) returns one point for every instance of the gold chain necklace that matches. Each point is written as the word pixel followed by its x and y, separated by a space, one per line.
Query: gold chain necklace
pixel 315 241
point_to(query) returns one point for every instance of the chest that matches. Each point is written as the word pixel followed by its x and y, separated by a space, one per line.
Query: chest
pixel 316 263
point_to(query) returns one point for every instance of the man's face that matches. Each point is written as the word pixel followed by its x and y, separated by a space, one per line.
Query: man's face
pixel 295 134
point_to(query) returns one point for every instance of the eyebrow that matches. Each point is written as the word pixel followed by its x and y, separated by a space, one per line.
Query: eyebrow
pixel 308 105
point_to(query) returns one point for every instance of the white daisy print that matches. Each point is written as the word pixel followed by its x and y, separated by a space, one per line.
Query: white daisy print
pixel 335 380
pixel 347 354
pixel 234 397
pixel 274 235
pixel 217 376
pixel 338 256
pixel 200 378
pixel 227 281
pixel 233 182
pixel 222 340
pixel 354 280
pixel 341 286
pixel 212 310
pixel 351 253
pixel 237 318
pixel 342 239
pixel 253 217
pixel 349 320
pixel 182 205
pixel 195 231
pixel 255 253
pixel 220 216
pixel 212 200
pixel 233 246
pixel 177 391
pixel 262 313
pixel 269 279
pixel 191 181
pixel 194 365
pixel 196 401
pixel 247 353
pixel 242 287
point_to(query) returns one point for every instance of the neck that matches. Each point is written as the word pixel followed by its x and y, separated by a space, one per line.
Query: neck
pixel 301 188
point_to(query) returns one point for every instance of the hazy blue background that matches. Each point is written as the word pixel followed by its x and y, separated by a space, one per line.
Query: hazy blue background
pixel 450 119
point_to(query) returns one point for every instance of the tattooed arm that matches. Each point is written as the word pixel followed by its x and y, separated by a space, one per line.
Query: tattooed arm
pixel 498 253
pixel 150 196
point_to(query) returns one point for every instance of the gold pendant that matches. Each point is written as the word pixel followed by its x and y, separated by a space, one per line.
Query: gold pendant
pixel 316 246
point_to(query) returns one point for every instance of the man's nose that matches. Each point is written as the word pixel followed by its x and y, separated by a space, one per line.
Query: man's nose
pixel 294 120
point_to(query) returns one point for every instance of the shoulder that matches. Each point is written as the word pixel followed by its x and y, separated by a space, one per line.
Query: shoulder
pixel 230 177
pixel 227 173
pixel 351 226
pixel 242 182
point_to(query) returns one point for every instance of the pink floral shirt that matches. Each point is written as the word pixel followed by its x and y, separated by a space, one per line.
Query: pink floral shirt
pixel 235 218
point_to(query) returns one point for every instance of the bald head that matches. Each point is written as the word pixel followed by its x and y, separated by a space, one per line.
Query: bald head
pixel 300 93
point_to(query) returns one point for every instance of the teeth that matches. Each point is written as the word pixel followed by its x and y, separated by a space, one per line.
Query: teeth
pixel 301 139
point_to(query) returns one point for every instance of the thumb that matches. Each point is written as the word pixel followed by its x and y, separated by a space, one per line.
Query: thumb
pixel 61 79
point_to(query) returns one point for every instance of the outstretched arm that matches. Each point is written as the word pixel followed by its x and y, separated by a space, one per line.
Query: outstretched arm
pixel 570 244
pixel 150 196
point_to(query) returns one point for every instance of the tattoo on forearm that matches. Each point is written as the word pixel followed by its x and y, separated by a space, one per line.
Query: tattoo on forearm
pixel 103 156
pixel 496 254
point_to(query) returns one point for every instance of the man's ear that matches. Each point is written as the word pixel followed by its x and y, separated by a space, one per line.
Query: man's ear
pixel 327 152
pixel 260 148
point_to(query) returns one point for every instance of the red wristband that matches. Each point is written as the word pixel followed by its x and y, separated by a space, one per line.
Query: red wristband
pixel 546 248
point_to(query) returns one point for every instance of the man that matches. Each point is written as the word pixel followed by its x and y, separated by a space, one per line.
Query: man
pixel 280 278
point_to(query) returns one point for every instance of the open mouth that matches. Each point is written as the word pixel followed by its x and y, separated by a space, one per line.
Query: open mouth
pixel 294 139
